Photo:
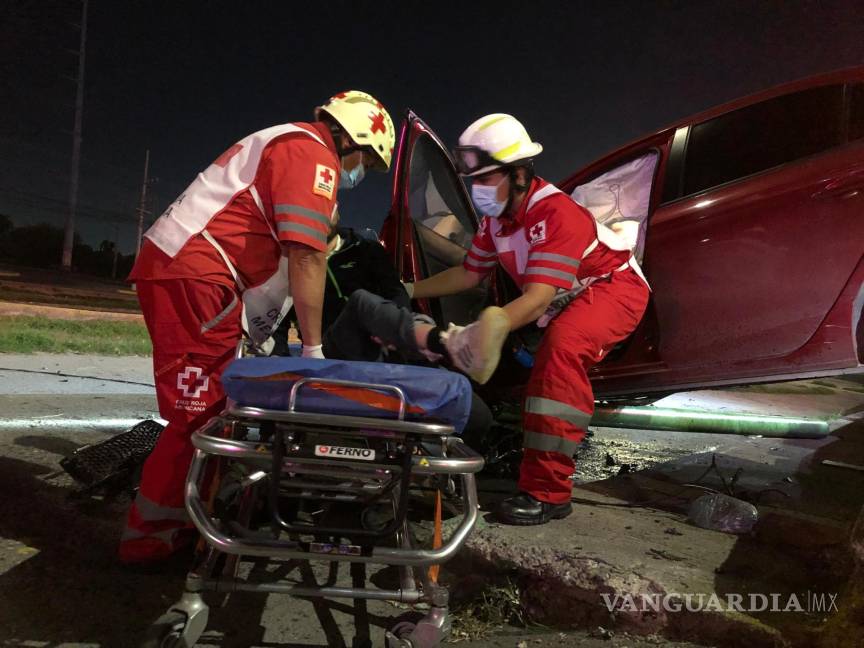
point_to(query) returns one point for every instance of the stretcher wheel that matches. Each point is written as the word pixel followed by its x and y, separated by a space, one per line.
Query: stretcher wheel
pixel 397 636
pixel 166 632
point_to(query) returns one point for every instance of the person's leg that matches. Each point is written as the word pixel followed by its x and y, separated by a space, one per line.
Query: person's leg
pixel 559 401
pixel 195 328
pixel 369 322
pixel 367 316
pixel 480 420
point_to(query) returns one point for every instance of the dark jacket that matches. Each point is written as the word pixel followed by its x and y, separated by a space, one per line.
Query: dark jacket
pixel 359 263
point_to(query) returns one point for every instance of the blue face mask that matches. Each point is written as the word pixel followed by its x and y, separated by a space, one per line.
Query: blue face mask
pixel 485 199
pixel 350 179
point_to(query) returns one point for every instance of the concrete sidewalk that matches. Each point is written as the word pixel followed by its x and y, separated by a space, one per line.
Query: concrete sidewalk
pixel 629 540
pixel 71 394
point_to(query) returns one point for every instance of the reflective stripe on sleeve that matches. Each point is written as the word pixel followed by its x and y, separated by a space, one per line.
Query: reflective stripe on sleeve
pixel 299 228
pixel 557 409
pixel 481 253
pixel 297 210
pixel 481 264
pixel 549 443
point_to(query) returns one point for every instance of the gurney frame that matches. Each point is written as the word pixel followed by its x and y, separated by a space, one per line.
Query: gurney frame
pixel 402 452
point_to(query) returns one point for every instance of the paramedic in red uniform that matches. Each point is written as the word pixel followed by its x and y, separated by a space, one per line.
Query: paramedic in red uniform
pixel 578 279
pixel 218 263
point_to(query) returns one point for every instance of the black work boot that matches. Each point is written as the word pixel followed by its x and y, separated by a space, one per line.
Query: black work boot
pixel 526 510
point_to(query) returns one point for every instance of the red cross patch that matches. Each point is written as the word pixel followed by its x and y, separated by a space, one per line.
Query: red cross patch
pixel 192 382
pixel 537 232
pixel 324 182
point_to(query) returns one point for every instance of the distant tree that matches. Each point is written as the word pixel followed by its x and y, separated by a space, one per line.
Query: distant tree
pixel 40 246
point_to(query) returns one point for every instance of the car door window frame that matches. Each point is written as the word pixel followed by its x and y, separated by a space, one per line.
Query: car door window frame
pixel 679 150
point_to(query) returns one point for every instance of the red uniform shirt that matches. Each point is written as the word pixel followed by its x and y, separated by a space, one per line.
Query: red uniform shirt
pixel 296 181
pixel 551 240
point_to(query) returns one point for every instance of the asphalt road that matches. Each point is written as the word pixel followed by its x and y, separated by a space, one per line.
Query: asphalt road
pixel 60 585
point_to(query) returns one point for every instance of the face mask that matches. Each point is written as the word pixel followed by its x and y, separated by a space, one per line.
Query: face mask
pixel 486 201
pixel 350 179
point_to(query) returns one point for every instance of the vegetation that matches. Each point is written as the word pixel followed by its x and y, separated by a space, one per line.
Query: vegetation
pixel 41 246
pixel 26 334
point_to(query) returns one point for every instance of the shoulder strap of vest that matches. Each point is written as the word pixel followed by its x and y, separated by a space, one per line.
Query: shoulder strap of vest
pixel 542 193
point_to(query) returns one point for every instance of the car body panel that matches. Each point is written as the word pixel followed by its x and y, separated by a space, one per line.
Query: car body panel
pixel 757 279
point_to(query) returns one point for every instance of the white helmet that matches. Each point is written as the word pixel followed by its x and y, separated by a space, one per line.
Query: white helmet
pixel 365 120
pixel 491 142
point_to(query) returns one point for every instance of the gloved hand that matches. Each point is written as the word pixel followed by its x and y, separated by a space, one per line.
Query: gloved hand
pixel 409 288
pixel 313 351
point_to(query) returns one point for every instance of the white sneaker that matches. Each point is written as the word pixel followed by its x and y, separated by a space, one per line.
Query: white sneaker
pixel 476 348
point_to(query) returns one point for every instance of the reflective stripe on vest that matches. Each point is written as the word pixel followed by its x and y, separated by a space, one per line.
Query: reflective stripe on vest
pixel 215 188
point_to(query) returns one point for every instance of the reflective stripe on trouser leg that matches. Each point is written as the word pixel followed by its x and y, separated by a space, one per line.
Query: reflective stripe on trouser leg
pixel 550 409
pixel 559 399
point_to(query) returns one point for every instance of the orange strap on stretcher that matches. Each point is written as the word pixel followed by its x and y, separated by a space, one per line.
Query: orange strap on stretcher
pixel 436 537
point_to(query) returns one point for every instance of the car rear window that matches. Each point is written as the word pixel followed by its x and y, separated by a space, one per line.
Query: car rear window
pixel 762 136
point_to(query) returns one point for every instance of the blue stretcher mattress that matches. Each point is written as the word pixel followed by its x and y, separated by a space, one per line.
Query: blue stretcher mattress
pixel 433 395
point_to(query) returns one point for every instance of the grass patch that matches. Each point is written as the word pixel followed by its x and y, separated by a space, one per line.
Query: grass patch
pixel 25 334
pixel 481 616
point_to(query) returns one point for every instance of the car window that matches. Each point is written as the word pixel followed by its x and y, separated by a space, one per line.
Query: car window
pixel 762 136
pixel 856 111
pixel 619 198
pixel 443 222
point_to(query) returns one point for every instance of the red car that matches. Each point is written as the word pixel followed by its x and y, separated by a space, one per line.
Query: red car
pixel 748 219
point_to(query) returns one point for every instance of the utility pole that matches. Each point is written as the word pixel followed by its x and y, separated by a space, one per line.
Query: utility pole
pixel 142 209
pixel 69 231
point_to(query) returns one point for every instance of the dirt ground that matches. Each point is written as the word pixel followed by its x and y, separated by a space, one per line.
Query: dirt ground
pixel 54 288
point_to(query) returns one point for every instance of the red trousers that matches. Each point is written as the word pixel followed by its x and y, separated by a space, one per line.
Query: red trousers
pixel 195 327
pixel 559 401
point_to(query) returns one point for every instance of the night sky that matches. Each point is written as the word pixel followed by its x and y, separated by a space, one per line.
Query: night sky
pixel 186 79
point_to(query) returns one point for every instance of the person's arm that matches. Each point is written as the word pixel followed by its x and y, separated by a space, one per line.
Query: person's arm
pixel 384 280
pixel 448 282
pixel 480 260
pixel 307 272
pixel 297 183
pixel 530 305
pixel 553 259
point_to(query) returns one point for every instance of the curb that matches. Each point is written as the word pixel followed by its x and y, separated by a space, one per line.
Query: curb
pixel 565 590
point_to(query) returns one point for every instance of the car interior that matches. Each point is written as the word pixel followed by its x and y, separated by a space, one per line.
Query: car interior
pixel 619 199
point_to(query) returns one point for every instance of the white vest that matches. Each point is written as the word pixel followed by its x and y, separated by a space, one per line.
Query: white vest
pixel 215 188
pixel 264 305
pixel 518 243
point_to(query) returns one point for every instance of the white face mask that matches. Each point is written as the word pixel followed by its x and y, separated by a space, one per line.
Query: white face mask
pixel 350 179
pixel 485 199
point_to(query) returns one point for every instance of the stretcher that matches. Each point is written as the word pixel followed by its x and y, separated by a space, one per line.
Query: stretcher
pixel 318 460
